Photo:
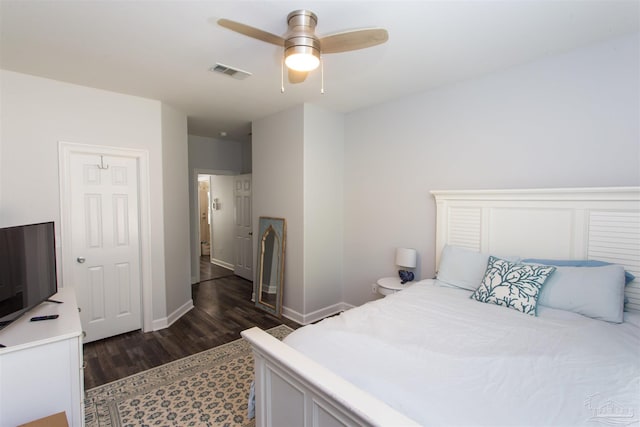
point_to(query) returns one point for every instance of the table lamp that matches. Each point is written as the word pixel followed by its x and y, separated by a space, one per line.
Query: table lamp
pixel 406 258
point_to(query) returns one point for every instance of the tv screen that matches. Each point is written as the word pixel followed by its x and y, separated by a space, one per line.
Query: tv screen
pixel 27 268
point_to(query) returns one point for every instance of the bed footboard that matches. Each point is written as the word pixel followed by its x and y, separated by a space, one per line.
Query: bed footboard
pixel 293 390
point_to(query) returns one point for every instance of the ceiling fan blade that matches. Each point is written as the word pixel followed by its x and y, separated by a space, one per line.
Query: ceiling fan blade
pixel 251 32
pixel 353 40
pixel 297 76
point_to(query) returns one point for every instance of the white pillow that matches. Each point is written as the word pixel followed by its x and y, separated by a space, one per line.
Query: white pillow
pixel 596 292
pixel 511 285
pixel 462 267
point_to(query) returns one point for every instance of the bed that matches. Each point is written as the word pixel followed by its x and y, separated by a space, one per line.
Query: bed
pixel 433 354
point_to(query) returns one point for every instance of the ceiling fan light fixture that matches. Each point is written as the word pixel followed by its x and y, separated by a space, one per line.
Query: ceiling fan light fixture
pixel 302 47
pixel 302 58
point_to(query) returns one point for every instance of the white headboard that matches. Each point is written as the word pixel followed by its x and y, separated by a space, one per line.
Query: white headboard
pixel 561 223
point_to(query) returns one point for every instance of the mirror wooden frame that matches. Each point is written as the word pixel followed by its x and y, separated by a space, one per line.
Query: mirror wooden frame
pixel 272 232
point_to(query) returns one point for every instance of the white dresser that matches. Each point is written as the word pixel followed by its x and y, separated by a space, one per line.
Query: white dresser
pixel 41 365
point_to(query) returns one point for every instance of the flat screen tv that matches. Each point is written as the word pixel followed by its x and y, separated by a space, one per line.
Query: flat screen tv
pixel 27 268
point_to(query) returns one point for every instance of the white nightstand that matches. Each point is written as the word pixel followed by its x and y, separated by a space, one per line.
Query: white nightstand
pixel 390 285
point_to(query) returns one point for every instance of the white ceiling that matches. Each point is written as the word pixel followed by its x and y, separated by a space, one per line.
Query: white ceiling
pixel 164 49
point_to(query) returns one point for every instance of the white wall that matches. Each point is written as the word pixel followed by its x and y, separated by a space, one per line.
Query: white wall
pixel 245 154
pixel 298 175
pixel 37 113
pixel 323 208
pixel 211 156
pixel 217 154
pixel 278 168
pixel 223 220
pixel 566 121
pixel 176 214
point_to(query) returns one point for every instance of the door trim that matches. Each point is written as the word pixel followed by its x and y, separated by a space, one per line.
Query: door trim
pixel 65 149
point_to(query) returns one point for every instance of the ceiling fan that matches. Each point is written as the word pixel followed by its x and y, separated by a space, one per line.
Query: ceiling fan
pixel 302 48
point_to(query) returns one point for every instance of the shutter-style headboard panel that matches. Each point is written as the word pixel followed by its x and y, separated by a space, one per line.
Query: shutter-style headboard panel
pixel 560 223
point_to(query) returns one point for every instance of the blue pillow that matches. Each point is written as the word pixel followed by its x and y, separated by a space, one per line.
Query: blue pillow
pixel 596 292
pixel 628 277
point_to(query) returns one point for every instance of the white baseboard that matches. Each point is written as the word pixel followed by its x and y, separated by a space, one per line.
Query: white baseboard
pixel 306 319
pixel 165 322
pixel 303 319
pixel 224 264
pixel 159 324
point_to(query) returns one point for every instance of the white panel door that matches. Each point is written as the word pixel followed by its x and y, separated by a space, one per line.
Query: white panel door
pixel 105 243
pixel 243 227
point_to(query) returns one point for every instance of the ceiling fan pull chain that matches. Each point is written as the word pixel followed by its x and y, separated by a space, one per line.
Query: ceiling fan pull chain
pixel 322 75
pixel 282 75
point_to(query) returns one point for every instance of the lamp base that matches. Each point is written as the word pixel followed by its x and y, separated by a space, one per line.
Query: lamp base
pixel 405 276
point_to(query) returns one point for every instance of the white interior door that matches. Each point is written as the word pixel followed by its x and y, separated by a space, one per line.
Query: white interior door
pixel 243 227
pixel 105 240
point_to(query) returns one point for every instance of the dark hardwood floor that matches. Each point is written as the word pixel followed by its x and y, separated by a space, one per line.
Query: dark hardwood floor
pixel 222 308
pixel 210 271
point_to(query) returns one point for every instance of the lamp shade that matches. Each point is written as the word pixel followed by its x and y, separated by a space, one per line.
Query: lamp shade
pixel 406 257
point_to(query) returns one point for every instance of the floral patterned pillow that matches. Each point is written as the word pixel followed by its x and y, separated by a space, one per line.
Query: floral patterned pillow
pixel 516 286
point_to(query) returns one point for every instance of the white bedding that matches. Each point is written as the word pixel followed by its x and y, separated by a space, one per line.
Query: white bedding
pixel 444 359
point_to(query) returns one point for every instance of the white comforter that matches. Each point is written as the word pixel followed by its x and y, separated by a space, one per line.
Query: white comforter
pixel 444 359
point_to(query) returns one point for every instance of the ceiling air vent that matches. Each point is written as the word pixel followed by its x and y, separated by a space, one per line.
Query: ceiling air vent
pixel 236 73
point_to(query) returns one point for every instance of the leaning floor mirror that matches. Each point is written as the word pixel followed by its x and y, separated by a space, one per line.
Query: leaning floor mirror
pixel 268 285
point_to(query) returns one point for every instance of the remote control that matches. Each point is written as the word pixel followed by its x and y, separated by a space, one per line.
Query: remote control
pixel 49 317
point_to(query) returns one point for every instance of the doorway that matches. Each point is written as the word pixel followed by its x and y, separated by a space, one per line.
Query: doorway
pixel 204 225
pixel 215 211
pixel 223 214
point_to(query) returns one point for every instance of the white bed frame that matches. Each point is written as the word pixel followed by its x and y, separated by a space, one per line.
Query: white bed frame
pixel 577 223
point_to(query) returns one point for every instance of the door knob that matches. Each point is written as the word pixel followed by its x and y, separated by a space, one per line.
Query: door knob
pixel 81 259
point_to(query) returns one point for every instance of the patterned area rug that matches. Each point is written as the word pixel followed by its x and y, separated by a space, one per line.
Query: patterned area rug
pixel 210 388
